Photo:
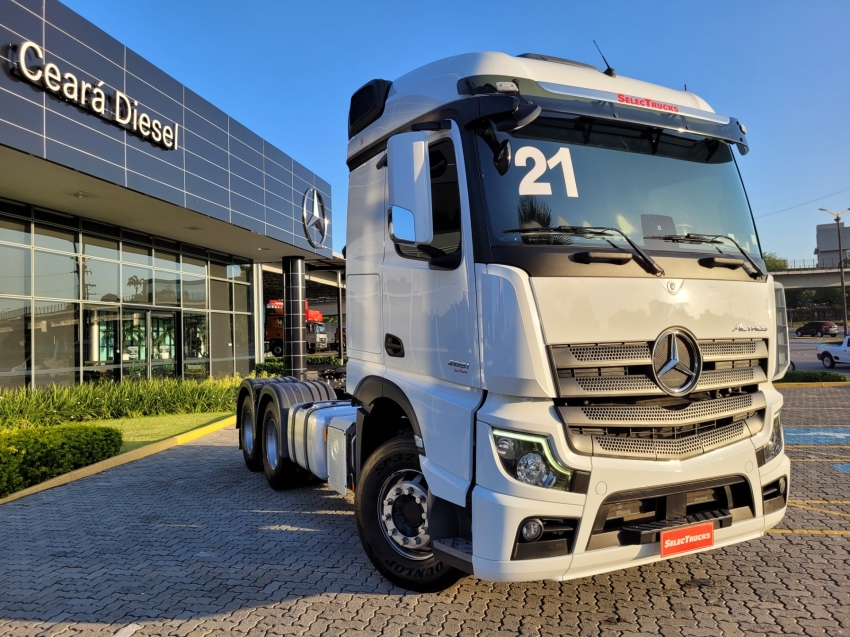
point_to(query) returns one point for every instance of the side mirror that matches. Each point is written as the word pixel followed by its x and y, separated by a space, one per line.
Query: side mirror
pixel 410 219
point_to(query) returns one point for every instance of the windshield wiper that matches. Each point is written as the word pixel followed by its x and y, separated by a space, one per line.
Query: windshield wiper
pixel 648 262
pixel 713 239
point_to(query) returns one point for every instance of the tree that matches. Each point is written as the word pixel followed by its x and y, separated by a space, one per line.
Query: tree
pixel 537 214
pixel 774 262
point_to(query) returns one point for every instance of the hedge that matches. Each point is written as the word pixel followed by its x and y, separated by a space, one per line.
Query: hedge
pixel 99 401
pixel 30 456
pixel 813 377
pixel 275 367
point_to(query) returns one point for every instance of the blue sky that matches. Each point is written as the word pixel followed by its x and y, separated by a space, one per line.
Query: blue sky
pixel 287 71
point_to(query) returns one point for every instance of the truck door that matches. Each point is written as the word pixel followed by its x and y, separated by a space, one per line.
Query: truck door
pixel 430 324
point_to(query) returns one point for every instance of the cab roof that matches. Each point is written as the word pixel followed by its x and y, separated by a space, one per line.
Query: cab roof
pixel 430 86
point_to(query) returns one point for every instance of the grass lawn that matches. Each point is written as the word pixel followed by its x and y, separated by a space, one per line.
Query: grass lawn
pixel 139 432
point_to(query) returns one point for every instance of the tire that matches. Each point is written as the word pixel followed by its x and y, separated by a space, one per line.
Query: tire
pixel 249 438
pixel 828 362
pixel 277 349
pixel 792 367
pixel 393 464
pixel 281 473
pixel 799 333
pixel 819 334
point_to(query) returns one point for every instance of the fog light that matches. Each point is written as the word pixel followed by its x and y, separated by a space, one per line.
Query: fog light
pixel 532 530
pixel 782 485
pixel 532 469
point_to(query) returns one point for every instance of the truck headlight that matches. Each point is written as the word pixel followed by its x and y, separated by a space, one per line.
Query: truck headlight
pixel 529 459
pixel 774 444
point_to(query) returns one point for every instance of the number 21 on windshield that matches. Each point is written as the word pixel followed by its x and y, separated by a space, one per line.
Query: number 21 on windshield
pixel 530 184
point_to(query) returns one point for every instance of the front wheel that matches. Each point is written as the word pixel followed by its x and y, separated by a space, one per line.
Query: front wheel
pixel 390 505
pixel 799 333
pixel 252 447
pixel 828 362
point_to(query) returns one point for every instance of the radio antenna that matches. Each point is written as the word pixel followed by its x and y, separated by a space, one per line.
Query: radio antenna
pixel 610 72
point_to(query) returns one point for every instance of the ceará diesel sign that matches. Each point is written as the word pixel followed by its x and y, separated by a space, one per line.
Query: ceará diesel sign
pixel 117 107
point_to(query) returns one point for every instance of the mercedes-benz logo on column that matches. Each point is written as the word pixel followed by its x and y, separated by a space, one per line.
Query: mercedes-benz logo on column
pixel 676 362
pixel 314 218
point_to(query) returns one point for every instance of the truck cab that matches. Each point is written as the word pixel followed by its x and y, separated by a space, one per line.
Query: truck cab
pixel 555 288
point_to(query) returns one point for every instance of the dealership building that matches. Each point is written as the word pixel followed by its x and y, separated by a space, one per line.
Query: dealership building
pixel 138 222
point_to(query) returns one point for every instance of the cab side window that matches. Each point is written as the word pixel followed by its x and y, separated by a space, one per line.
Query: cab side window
pixel 445 201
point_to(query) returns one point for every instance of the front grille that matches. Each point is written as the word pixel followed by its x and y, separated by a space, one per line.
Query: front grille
pixel 686 413
pixel 676 448
pixel 664 443
pixel 612 386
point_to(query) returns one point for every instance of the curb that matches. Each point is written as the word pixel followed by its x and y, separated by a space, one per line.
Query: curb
pixel 802 385
pixel 124 458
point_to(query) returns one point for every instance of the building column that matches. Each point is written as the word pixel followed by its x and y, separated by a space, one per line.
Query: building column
pixel 340 324
pixel 259 314
pixel 294 293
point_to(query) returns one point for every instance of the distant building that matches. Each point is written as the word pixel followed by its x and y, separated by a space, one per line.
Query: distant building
pixel 827 242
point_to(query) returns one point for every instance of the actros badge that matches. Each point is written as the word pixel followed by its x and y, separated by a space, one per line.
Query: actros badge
pixel 314 218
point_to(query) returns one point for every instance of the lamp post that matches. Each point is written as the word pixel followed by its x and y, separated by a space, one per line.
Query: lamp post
pixel 837 216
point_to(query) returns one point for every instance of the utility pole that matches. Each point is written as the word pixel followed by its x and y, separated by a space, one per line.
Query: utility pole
pixel 837 216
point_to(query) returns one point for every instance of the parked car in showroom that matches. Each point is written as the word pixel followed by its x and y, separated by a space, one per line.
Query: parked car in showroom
pixel 818 328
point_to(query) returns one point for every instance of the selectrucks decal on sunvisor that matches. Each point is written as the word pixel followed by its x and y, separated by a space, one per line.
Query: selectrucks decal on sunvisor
pixel 634 100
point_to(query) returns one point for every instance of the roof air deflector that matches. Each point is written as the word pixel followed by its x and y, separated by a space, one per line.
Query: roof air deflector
pixel 552 58
pixel 367 105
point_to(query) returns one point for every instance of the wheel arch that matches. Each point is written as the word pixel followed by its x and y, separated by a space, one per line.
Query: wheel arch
pixel 385 411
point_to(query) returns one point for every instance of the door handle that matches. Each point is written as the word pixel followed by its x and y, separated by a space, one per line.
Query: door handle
pixel 393 346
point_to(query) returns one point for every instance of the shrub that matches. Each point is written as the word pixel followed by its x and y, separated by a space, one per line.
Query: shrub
pixel 130 399
pixel 813 377
pixel 275 367
pixel 30 456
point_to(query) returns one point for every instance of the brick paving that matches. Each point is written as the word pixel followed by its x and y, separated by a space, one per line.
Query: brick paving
pixel 188 542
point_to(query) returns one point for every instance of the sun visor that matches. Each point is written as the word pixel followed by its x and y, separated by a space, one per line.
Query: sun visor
pixel 636 109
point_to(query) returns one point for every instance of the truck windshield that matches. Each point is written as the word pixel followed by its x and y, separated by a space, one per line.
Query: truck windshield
pixel 646 182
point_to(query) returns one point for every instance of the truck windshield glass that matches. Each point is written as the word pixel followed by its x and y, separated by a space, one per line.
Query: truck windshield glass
pixel 646 182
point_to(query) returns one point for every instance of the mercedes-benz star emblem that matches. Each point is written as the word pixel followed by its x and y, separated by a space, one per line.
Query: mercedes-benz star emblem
pixel 676 362
pixel 314 218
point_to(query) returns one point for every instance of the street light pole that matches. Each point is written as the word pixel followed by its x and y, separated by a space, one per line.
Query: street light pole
pixel 837 216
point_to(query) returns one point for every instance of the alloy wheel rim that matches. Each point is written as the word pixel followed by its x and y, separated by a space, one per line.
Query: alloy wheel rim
pixel 248 432
pixel 271 444
pixel 403 514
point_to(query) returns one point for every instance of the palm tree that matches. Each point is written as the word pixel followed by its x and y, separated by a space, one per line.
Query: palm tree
pixel 537 214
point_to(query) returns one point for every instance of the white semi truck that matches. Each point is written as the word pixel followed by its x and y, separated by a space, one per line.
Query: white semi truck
pixel 562 336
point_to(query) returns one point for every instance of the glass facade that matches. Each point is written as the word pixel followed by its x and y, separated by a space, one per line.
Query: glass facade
pixel 81 301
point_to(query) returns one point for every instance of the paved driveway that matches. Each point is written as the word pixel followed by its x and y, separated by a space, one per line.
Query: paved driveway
pixel 187 542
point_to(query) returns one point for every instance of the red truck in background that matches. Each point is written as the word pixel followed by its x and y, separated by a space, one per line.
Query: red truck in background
pixel 317 339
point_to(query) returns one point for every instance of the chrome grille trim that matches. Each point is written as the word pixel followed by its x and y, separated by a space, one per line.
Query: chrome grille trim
pixel 601 355
pixel 720 378
pixel 725 350
pixel 624 369
pixel 652 415
pixel 642 385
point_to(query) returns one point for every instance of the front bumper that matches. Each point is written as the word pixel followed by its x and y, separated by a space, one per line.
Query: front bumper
pixel 500 505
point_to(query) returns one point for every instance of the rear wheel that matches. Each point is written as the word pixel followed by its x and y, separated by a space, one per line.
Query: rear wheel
pixel 281 473
pixel 828 362
pixel 819 334
pixel 252 447
pixel 390 505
